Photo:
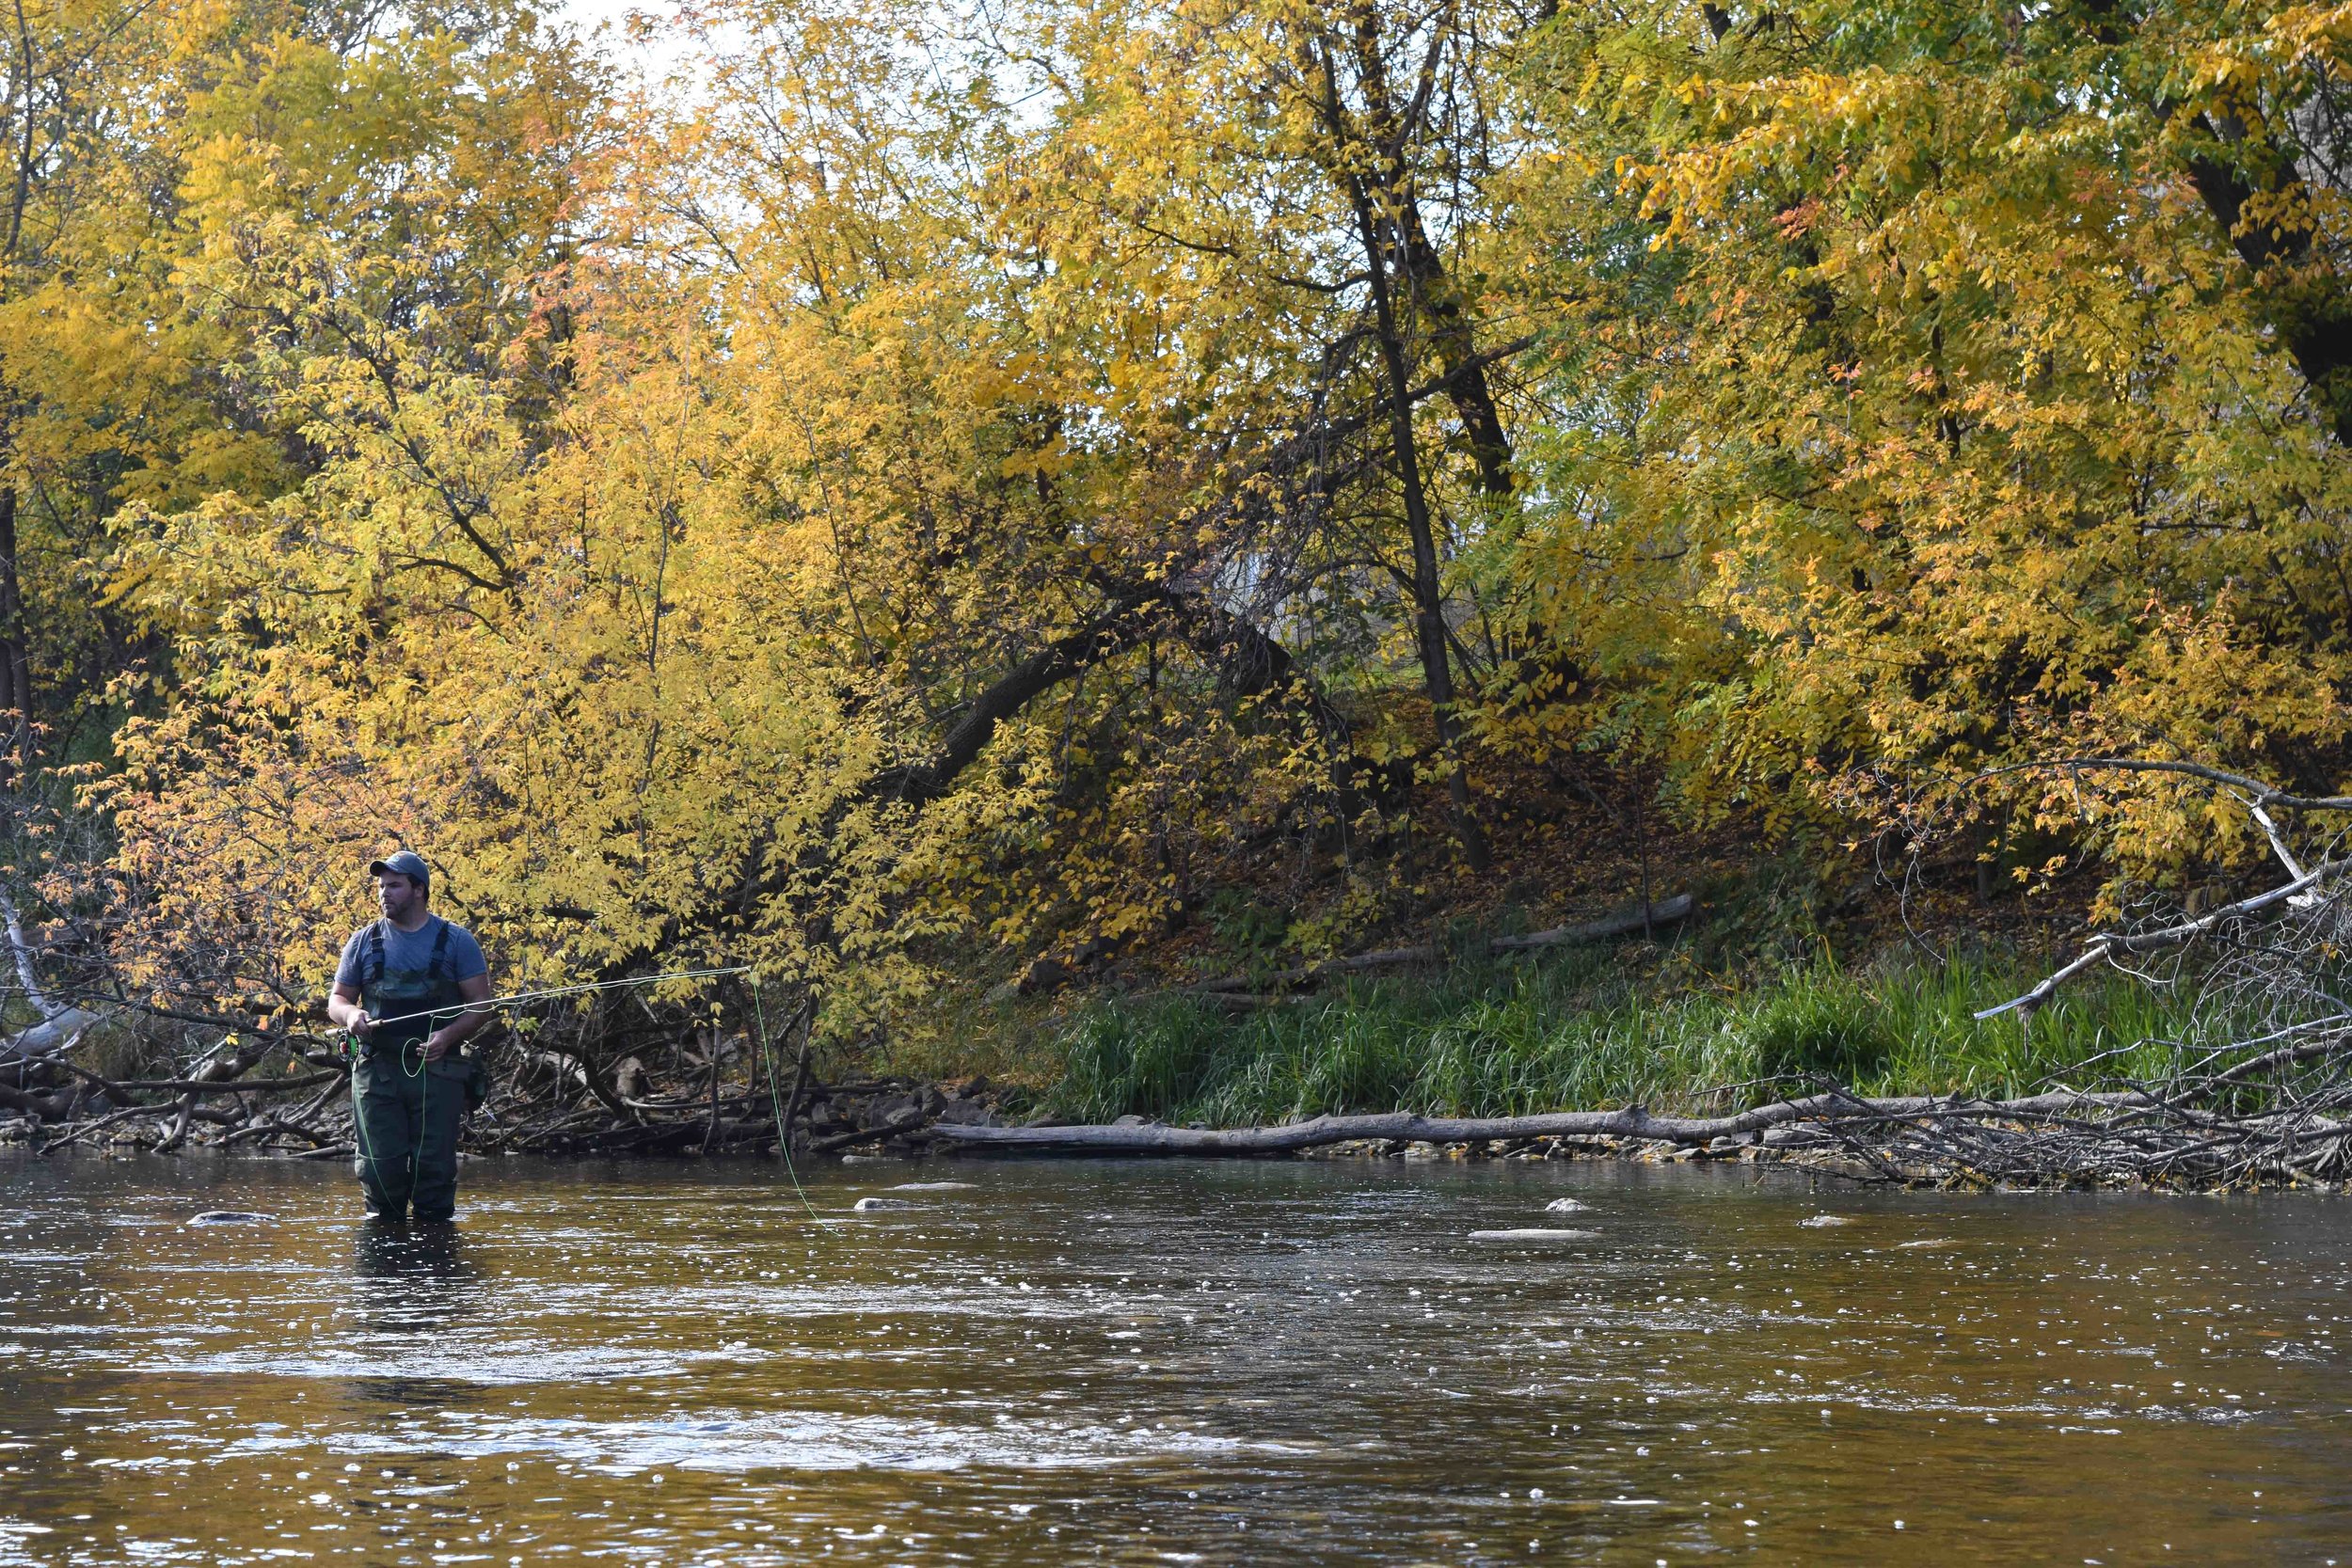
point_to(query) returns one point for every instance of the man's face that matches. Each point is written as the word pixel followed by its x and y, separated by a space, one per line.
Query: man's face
pixel 397 895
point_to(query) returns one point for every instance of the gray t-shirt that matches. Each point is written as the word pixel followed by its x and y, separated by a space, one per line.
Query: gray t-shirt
pixel 412 950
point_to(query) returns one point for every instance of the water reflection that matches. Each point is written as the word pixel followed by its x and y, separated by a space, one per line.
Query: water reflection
pixel 413 1278
pixel 411 1283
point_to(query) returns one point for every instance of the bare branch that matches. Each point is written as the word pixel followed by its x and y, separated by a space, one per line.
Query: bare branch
pixel 2261 794
pixel 2109 944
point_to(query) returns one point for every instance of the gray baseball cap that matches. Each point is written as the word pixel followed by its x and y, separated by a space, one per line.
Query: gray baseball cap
pixel 405 863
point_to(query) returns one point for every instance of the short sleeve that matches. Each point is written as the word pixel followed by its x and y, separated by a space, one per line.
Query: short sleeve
pixel 347 971
pixel 465 955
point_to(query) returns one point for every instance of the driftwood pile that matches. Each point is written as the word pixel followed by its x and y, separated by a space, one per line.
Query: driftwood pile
pixel 557 1092
pixel 290 1096
pixel 308 1116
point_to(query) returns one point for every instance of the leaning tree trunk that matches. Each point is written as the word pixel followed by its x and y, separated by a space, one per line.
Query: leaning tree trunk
pixel 1429 633
pixel 16 675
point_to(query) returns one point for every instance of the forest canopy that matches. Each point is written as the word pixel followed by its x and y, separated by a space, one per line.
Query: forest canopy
pixel 930 484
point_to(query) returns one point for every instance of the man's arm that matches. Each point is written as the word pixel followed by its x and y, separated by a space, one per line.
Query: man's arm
pixel 345 1012
pixel 458 1029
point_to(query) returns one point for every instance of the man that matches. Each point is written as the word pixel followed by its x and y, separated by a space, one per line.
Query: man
pixel 408 989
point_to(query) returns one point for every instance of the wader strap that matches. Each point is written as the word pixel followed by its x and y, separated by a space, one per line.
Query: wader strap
pixel 443 999
pixel 371 966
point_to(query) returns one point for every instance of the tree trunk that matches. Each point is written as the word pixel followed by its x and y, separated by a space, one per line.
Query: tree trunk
pixel 16 674
pixel 1431 296
pixel 1428 591
pixel 1440 304
pixel 2295 288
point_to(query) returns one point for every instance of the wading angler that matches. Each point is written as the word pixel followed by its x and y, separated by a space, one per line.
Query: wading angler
pixel 411 989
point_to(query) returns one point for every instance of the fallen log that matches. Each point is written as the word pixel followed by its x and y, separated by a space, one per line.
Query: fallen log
pixel 868 1134
pixel 43 1105
pixel 1635 1122
pixel 200 1086
pixel 1624 923
pixel 30 1045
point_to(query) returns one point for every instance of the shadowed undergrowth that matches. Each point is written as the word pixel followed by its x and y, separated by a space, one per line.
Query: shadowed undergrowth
pixel 1505 1040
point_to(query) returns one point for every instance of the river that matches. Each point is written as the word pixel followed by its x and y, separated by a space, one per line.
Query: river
pixel 1163 1363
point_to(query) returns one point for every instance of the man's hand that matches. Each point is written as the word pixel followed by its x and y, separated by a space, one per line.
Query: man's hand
pixel 473 992
pixel 344 1009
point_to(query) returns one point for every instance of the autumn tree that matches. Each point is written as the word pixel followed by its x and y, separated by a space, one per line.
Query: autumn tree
pixel 1325 172
pixel 937 483
pixel 1955 392
pixel 96 366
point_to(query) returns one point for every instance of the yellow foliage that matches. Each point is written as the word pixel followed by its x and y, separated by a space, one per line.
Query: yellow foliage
pixel 917 492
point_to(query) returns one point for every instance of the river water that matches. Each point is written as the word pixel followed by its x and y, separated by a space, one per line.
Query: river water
pixel 1160 1362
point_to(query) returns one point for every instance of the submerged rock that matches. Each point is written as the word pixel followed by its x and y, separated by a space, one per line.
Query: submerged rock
pixel 936 1187
pixel 1534 1238
pixel 868 1205
pixel 1567 1206
pixel 232 1216
pixel 1822 1222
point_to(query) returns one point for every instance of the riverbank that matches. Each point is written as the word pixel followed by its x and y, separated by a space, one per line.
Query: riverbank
pixel 1882 1073
pixel 1593 1031
pixel 1885 1072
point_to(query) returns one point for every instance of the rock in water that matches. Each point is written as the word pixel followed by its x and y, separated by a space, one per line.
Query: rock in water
pixel 1822 1222
pixel 1535 1238
pixel 936 1187
pixel 868 1205
pixel 232 1216
pixel 1567 1206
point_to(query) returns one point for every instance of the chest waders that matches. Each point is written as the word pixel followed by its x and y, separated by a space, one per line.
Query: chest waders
pixel 407 1111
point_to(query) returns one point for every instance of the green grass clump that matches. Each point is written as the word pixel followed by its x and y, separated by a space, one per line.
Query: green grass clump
pixel 1580 1034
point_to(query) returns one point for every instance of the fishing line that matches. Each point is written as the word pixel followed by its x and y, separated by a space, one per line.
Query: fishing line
pixel 775 1103
pixel 424 1112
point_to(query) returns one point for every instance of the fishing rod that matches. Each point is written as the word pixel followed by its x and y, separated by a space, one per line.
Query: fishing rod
pixel 514 998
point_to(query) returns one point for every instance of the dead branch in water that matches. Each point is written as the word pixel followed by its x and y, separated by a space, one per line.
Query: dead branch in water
pixel 1635 1123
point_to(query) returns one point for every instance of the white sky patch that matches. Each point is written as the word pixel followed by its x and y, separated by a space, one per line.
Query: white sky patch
pixel 640 36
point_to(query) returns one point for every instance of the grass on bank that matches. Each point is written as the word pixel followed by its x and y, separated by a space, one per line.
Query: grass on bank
pixel 1517 1040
